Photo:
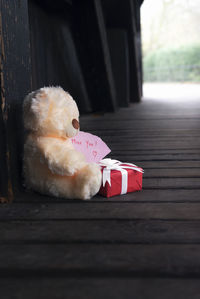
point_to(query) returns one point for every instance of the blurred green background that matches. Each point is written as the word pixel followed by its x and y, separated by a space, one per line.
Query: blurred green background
pixel 171 40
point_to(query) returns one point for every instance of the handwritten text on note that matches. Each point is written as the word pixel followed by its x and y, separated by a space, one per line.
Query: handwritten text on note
pixel 93 147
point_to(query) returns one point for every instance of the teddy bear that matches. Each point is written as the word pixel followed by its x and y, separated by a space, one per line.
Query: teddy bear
pixel 51 165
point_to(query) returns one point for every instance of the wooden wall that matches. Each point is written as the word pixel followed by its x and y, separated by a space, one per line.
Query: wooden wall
pixel 90 47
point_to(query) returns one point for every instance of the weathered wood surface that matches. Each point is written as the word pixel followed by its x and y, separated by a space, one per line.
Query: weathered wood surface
pixel 101 211
pixel 113 260
pixel 15 83
pixel 103 287
pixel 103 231
pixel 124 245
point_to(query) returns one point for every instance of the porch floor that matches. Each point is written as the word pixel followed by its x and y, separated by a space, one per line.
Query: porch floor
pixel 140 245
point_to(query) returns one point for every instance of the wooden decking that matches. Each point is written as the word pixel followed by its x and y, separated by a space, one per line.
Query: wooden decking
pixel 141 245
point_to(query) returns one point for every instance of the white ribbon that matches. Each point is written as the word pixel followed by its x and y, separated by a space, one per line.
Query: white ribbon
pixel 110 164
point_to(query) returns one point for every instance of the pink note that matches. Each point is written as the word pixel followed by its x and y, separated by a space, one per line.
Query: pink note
pixel 93 148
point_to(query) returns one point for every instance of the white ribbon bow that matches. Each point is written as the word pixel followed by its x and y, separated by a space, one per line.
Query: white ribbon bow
pixel 110 164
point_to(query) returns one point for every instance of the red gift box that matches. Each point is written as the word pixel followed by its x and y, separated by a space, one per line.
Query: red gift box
pixel 119 178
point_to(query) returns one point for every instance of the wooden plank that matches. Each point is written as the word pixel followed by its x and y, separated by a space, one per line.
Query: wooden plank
pixel 136 114
pixel 170 183
pixel 102 287
pixel 148 125
pixel 101 232
pixel 156 145
pixel 147 112
pixel 131 144
pixel 89 210
pixel 168 164
pixel 102 259
pixel 159 152
pixel 131 137
pixel 159 195
pixel 127 156
pixel 15 81
pixel 156 109
pixel 166 173
pixel 140 133
pixel 138 119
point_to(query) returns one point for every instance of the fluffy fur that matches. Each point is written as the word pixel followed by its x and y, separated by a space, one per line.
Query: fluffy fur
pixel 51 164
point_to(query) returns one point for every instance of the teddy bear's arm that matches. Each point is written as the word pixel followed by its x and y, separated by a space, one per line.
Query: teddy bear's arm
pixel 61 157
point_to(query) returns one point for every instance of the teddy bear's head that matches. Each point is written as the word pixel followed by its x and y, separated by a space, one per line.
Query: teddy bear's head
pixel 51 111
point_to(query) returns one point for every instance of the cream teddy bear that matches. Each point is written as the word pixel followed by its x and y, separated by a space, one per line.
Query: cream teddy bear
pixel 51 164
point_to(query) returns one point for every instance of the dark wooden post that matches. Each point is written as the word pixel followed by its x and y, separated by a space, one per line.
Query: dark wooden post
pixel 137 6
pixel 92 46
pixel 135 75
pixel 15 83
pixel 124 15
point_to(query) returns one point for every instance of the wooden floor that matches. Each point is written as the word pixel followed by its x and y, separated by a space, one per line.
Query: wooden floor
pixel 141 245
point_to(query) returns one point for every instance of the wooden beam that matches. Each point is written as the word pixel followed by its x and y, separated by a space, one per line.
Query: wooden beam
pixel 119 51
pixel 92 46
pixel 15 83
pixel 124 15
pixel 135 71
pixel 57 64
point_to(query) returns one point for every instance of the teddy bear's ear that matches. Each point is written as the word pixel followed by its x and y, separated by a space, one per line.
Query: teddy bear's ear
pixel 27 109
pixel 28 101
